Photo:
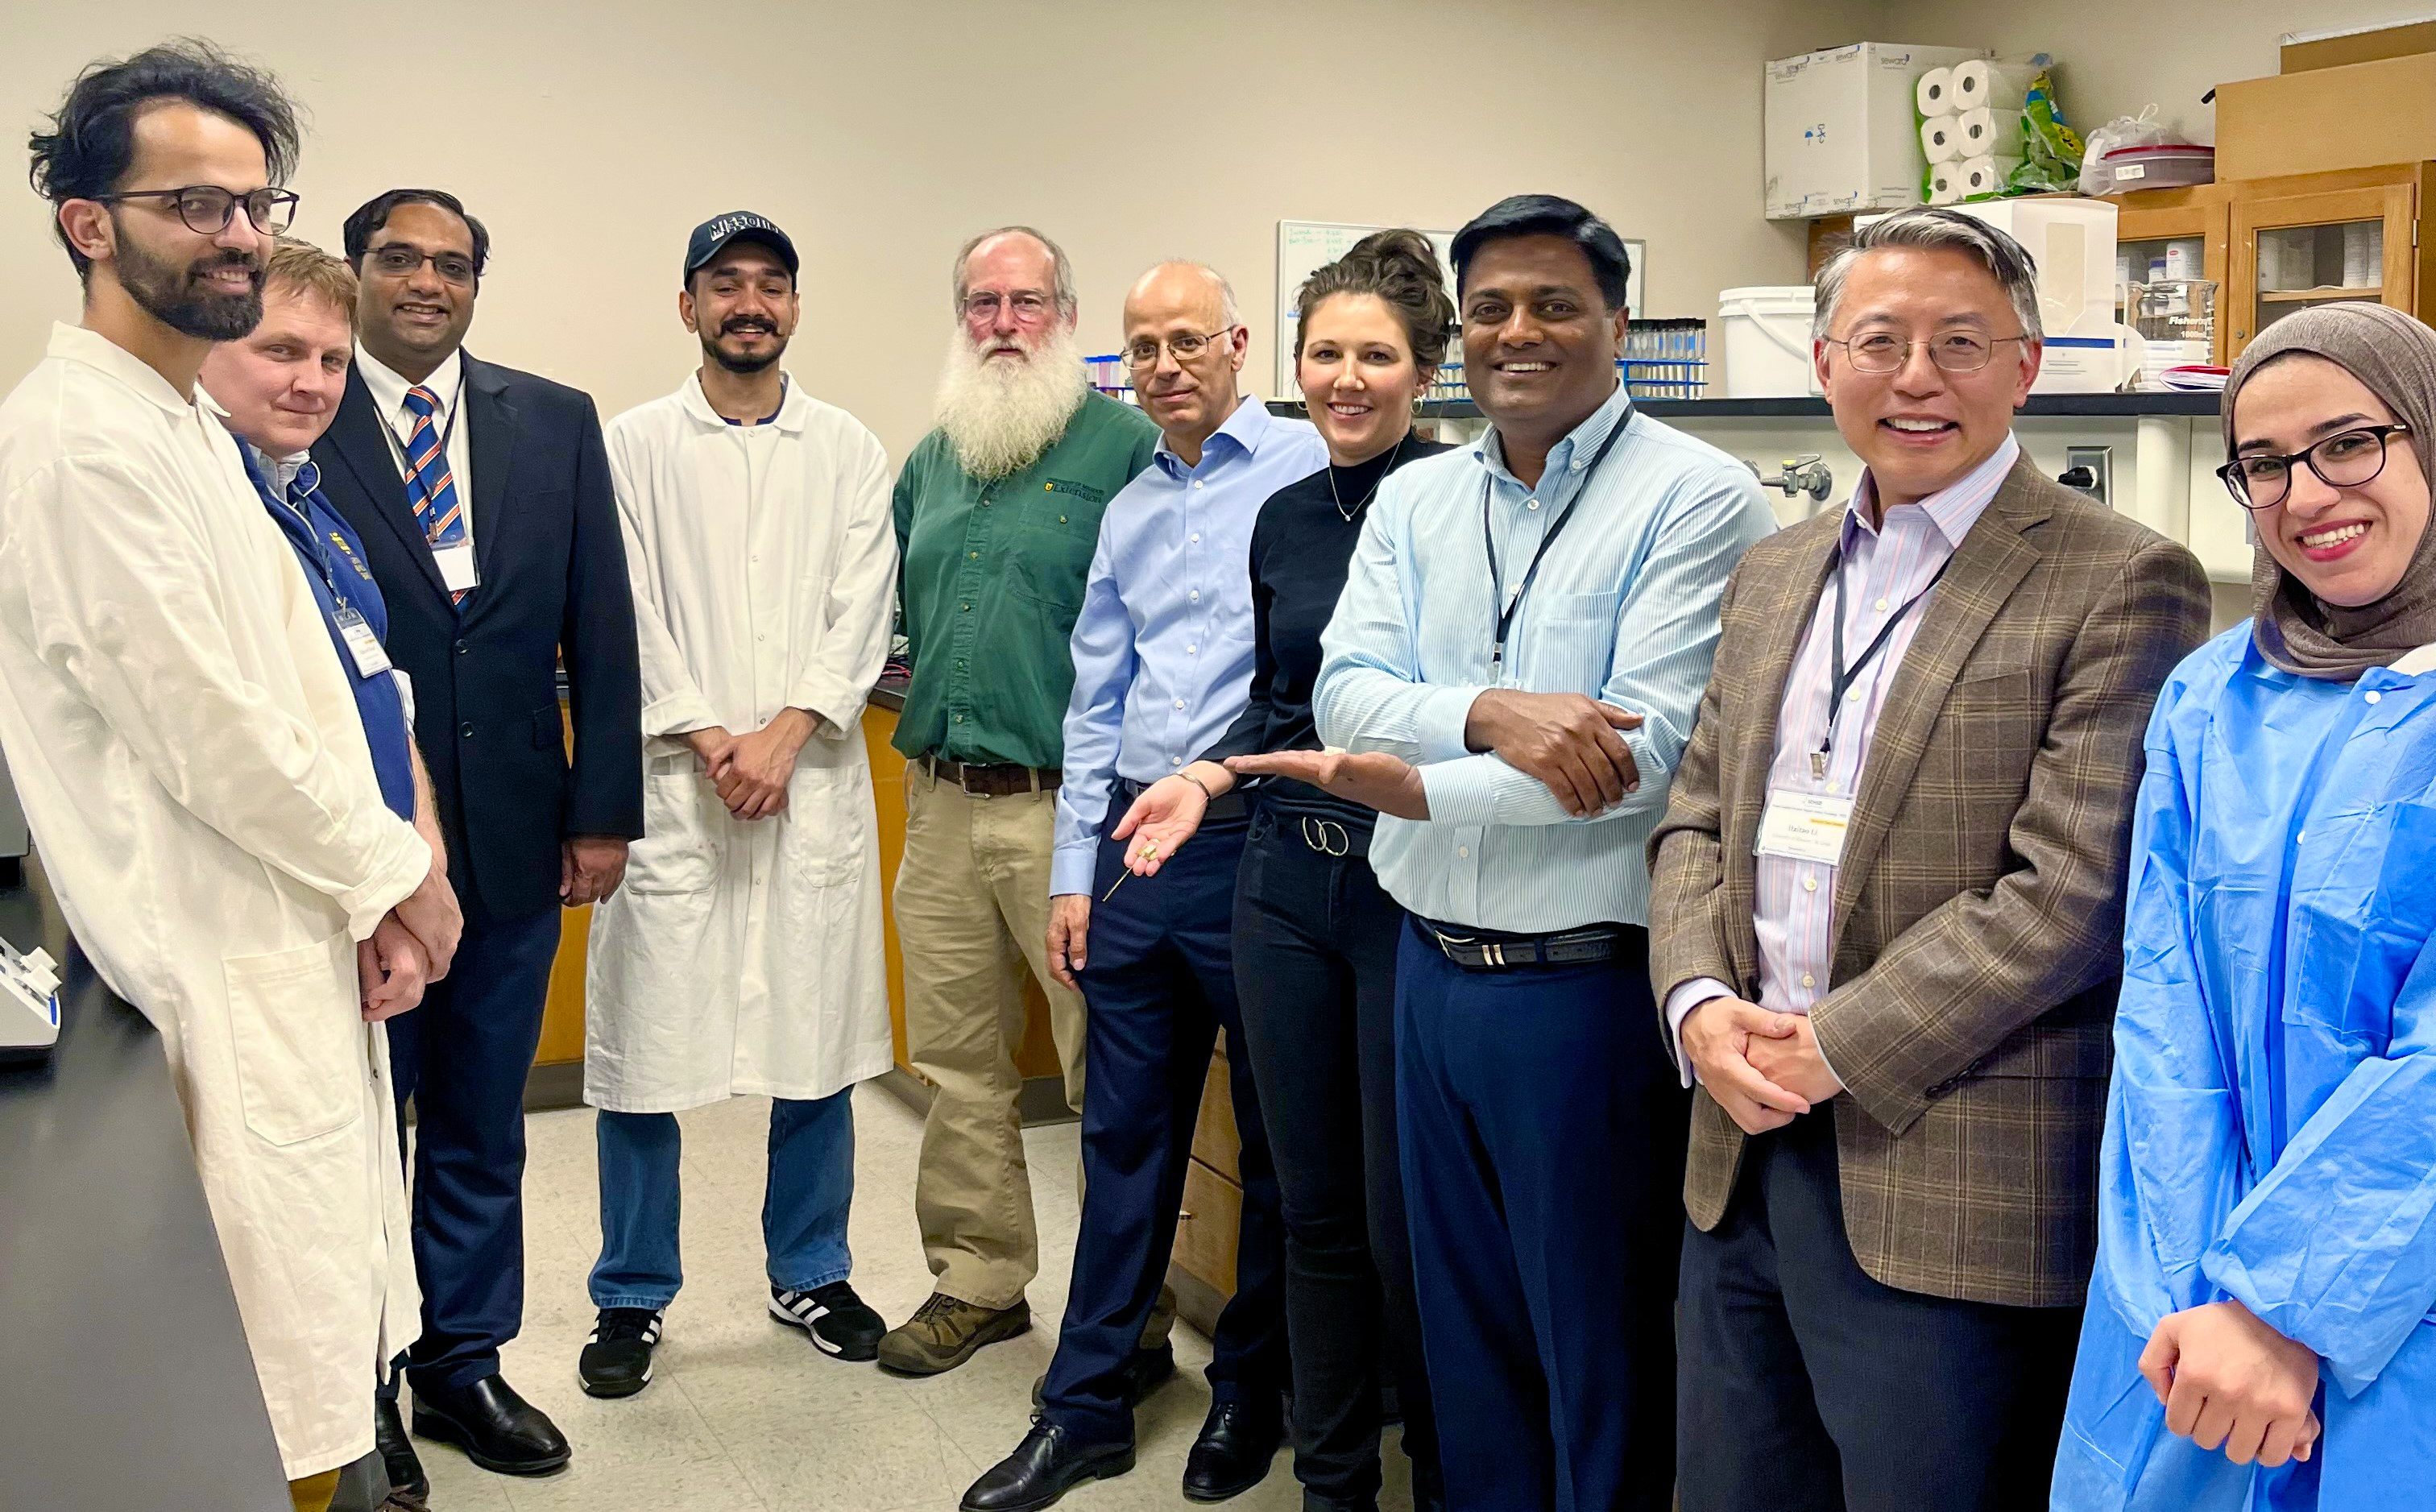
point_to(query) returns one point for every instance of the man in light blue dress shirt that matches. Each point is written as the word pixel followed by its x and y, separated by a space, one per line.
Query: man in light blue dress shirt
pixel 1162 665
pixel 1515 665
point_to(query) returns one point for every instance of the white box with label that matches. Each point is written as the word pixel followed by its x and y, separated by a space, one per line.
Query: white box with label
pixel 2072 241
pixel 1842 132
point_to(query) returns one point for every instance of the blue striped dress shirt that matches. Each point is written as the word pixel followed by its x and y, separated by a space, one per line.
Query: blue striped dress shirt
pixel 1624 608
pixel 1164 645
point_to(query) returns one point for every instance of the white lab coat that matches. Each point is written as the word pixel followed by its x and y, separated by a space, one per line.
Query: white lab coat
pixel 745 957
pixel 203 802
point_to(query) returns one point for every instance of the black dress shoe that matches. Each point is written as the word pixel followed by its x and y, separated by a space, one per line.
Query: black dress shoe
pixel 497 1429
pixel 1145 1369
pixel 1237 1445
pixel 398 1459
pixel 1043 1468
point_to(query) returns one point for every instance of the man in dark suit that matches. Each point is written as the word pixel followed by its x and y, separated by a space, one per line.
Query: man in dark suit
pixel 1886 918
pixel 482 497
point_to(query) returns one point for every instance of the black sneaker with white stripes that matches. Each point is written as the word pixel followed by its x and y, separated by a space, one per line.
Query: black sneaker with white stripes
pixel 835 1318
pixel 617 1360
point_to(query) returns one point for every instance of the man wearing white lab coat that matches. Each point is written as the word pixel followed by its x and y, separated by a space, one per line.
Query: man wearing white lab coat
pixel 187 746
pixel 743 954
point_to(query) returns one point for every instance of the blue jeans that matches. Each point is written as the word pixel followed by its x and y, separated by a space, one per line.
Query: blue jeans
pixel 803 1212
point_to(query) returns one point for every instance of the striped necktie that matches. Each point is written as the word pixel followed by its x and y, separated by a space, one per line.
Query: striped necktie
pixel 430 491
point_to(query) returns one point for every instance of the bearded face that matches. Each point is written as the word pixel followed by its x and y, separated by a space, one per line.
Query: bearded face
pixel 1006 399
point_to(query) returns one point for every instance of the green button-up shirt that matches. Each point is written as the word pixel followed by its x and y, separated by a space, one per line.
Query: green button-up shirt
pixel 991 578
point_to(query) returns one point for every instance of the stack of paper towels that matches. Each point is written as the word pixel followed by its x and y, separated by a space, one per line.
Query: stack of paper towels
pixel 1970 127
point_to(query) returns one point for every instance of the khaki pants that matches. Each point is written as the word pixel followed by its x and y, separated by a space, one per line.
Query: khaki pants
pixel 972 917
pixel 313 1493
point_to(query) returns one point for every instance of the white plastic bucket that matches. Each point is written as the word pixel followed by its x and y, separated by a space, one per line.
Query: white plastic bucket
pixel 1767 340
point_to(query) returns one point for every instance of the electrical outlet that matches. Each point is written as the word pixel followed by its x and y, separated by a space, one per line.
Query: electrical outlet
pixel 2091 469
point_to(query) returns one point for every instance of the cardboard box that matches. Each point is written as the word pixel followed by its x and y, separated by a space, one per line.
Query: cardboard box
pixel 2072 241
pixel 1842 133
pixel 2354 115
pixel 2365 46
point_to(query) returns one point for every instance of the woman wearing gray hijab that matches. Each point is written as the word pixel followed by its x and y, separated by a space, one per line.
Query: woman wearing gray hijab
pixel 2258 1331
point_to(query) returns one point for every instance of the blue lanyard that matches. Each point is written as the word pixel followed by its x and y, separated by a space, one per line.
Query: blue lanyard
pixel 1502 612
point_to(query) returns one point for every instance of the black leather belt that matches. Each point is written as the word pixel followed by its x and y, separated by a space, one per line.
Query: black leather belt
pixel 1226 807
pixel 994 782
pixel 1496 951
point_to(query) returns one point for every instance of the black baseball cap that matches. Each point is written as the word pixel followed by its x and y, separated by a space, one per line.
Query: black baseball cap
pixel 736 225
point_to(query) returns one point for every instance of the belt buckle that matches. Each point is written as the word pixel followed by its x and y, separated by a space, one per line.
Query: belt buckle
pixel 1316 835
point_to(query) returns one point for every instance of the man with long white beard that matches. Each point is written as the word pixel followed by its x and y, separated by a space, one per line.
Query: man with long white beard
pixel 997 511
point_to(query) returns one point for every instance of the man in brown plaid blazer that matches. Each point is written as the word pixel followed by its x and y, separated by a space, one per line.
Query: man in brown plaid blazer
pixel 1885 919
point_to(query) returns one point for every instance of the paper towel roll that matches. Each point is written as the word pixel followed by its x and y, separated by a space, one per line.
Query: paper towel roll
pixel 1940 139
pixel 1987 132
pixel 1984 174
pixel 1934 93
pixel 1985 81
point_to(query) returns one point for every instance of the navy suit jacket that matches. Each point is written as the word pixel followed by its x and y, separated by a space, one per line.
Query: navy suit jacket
pixel 553 590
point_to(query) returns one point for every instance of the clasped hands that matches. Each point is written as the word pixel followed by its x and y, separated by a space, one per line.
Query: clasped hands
pixel 414 942
pixel 2229 1381
pixel 1763 1067
pixel 751 771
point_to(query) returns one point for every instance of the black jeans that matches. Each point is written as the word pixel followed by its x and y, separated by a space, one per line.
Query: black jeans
pixel 1316 971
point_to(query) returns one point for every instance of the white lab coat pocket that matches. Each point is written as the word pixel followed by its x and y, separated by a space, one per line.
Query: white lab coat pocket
pixel 675 855
pixel 829 825
pixel 297 1033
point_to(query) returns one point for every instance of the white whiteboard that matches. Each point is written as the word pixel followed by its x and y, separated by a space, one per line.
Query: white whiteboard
pixel 1304 246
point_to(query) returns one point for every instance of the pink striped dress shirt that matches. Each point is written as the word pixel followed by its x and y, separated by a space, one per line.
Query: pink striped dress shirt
pixel 1884 567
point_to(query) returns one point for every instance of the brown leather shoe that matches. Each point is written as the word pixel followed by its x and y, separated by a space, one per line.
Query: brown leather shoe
pixel 947 1332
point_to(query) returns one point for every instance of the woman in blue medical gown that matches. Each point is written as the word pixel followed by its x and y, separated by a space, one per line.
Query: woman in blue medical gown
pixel 2258 1335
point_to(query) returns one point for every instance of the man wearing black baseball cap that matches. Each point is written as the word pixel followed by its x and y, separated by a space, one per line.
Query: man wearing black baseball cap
pixel 744 958
pixel 714 236
pixel 482 494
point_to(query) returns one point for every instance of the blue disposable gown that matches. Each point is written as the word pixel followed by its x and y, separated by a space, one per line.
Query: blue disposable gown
pixel 2271 1133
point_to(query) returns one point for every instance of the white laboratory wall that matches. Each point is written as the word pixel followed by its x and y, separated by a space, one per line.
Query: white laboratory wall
pixel 593 135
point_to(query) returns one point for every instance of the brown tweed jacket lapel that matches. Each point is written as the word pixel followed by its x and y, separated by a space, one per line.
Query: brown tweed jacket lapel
pixel 1988 565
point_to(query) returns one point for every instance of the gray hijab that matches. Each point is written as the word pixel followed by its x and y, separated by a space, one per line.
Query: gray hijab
pixel 2394 357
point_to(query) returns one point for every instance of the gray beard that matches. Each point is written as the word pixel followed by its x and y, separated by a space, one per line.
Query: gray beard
pixel 1001 416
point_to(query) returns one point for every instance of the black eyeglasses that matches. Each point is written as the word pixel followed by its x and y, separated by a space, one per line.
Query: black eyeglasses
pixel 207 209
pixel 398 260
pixel 2345 459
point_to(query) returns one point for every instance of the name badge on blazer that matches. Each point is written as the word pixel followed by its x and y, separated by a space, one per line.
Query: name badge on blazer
pixel 455 563
pixel 1805 826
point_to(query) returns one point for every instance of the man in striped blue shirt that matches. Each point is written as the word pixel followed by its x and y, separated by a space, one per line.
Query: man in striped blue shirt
pixel 1515 665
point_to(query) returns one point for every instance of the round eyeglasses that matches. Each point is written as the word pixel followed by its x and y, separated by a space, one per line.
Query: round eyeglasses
pixel 1955 352
pixel 2345 459
pixel 207 209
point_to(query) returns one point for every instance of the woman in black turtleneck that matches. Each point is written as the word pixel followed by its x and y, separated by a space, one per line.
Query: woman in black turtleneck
pixel 1314 936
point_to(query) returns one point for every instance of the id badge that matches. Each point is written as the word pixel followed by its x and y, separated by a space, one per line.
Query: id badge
pixel 371 661
pixel 1805 826
pixel 455 563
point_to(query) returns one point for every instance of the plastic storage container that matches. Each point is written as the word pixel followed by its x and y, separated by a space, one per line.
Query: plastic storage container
pixel 2166 166
pixel 1767 340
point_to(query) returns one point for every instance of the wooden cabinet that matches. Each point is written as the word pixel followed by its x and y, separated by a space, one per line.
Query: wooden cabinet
pixel 1202 1266
pixel 2324 237
pixel 2277 245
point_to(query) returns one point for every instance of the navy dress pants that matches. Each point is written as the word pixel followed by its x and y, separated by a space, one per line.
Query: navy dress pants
pixel 462 1056
pixel 1160 983
pixel 1810 1386
pixel 1543 1127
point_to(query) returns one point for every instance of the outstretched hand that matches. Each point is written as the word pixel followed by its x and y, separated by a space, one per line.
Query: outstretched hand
pixel 1372 779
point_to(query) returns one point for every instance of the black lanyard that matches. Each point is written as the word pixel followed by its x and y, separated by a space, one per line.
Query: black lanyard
pixel 1842 677
pixel 1502 610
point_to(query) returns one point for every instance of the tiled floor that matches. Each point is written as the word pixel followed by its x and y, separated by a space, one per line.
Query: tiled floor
pixel 745 1414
